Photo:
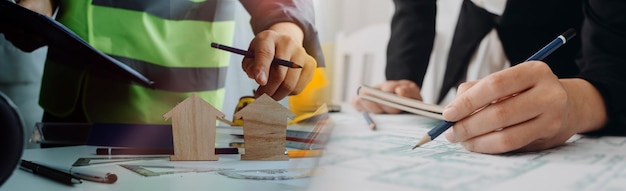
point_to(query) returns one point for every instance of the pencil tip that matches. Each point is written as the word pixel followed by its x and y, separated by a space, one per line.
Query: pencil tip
pixel 422 141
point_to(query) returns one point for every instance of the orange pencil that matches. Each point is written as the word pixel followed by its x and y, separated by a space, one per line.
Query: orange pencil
pixel 304 153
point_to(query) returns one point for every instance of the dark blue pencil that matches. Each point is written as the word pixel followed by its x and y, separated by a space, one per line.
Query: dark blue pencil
pixel 249 54
pixel 369 120
pixel 540 55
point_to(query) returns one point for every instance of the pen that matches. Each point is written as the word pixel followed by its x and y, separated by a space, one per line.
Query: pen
pixel 539 55
pixel 249 54
pixel 83 173
pixel 369 120
pixel 93 175
pixel 50 173
pixel 153 151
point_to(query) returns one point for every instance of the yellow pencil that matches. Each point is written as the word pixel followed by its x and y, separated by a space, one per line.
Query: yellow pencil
pixel 304 153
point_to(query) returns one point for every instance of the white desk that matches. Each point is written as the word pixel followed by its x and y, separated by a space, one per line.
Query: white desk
pixel 128 180
pixel 357 158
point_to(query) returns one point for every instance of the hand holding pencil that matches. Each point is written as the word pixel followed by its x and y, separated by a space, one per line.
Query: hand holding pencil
pixel 280 41
pixel 538 117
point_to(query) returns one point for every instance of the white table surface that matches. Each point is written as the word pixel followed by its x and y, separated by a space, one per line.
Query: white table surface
pixel 128 180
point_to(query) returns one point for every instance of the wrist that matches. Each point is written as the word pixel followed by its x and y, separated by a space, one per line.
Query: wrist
pixel 587 112
pixel 289 29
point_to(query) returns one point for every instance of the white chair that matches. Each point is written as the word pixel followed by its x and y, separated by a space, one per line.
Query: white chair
pixel 360 58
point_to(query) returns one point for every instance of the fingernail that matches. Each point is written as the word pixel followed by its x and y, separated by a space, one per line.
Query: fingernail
pixel 450 113
pixel 261 78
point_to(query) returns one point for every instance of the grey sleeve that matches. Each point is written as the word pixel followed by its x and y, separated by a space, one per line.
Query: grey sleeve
pixel 301 12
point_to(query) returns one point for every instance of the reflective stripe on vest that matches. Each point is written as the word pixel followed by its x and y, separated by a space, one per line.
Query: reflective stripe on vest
pixel 211 10
pixel 168 41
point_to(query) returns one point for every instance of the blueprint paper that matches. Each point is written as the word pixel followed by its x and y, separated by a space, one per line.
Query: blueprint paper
pixel 360 159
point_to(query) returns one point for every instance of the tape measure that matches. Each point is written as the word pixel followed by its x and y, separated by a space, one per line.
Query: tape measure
pixel 243 102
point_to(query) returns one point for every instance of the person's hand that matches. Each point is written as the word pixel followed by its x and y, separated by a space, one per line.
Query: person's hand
pixel 24 40
pixel 284 41
pixel 545 112
pixel 45 7
pixel 404 88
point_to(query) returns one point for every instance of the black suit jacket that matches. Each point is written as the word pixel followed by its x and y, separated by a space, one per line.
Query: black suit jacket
pixel 525 27
pixel 603 61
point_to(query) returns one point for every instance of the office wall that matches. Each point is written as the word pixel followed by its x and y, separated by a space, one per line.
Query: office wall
pixel 353 19
pixel 348 16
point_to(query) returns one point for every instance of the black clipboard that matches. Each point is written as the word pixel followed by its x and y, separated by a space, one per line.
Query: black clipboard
pixel 65 47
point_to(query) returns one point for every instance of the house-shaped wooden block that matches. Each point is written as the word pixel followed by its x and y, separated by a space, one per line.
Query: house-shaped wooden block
pixel 264 129
pixel 193 129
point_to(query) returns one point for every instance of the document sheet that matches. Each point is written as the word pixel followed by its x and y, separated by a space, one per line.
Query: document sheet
pixel 358 158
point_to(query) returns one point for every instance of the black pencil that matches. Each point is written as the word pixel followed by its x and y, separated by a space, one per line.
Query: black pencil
pixel 50 173
pixel 249 54
pixel 539 55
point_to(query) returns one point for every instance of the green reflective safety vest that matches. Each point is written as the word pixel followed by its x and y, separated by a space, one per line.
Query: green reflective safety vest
pixel 166 40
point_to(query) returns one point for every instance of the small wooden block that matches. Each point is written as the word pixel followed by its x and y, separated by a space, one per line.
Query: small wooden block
pixel 264 129
pixel 193 130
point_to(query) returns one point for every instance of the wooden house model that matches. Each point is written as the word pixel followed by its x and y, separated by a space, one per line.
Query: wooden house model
pixel 264 129
pixel 193 129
